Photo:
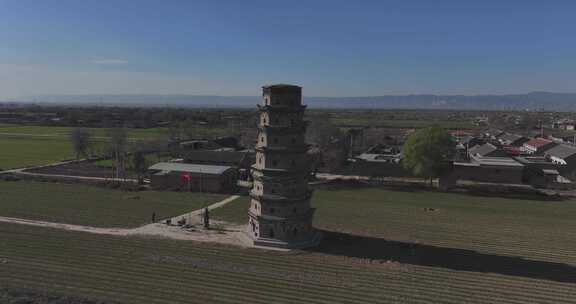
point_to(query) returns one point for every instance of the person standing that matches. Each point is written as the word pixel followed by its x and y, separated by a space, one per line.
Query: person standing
pixel 206 218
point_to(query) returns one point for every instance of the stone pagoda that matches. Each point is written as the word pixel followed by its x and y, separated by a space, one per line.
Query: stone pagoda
pixel 280 214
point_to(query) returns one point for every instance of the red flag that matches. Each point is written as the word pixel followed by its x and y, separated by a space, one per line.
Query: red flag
pixel 185 178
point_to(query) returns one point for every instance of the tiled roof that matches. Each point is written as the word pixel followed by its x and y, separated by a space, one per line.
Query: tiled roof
pixel 562 151
pixel 497 161
pixel 483 149
pixel 538 142
pixel 178 167
pixel 510 137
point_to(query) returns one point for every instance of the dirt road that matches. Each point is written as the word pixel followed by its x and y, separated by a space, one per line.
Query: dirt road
pixel 225 233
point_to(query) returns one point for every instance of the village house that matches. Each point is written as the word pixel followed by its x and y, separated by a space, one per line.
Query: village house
pixel 464 144
pixel 194 178
pixel 242 160
pixel 486 150
pixel 565 156
pixel 377 165
pixel 239 159
pixel 384 150
pixel 458 135
pixel 488 169
pixel 515 140
pixel 221 143
pixel 494 134
pixel 537 146
pixel 471 141
pixel 540 172
pixel 564 124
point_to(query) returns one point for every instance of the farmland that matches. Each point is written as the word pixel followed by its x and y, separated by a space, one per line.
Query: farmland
pixel 24 146
pixel 395 119
pixel 235 212
pixel 536 229
pixel 25 152
pixel 380 246
pixel 138 270
pixel 30 145
pixel 64 132
pixel 92 206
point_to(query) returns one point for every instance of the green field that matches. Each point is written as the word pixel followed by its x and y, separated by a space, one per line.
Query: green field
pixel 26 152
pixel 101 133
pixel 530 228
pixel 380 247
pixel 533 229
pixel 135 270
pixel 64 132
pixel 235 212
pixel 25 146
pixel 92 206
pixel 384 123
pixel 395 119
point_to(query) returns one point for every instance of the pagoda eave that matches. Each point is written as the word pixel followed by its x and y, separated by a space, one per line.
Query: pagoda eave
pixel 280 198
pixel 299 217
pixel 292 172
pixel 268 108
pixel 301 149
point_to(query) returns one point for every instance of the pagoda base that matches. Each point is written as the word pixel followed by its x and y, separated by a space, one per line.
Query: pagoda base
pixel 312 241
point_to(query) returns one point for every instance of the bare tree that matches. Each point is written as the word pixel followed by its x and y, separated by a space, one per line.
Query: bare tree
pixel 118 147
pixel 174 132
pixel 80 138
pixel 189 129
pixel 330 141
pixel 139 165
pixel 321 131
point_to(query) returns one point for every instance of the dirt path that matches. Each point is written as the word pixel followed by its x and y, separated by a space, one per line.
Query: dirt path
pixel 87 178
pixel 224 233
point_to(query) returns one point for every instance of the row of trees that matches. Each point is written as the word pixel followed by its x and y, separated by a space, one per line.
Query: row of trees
pixel 427 152
pixel 116 146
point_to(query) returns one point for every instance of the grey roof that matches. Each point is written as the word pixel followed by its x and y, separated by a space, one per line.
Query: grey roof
pixel 497 161
pixel 385 158
pixel 511 137
pixel 495 132
pixel 483 149
pixel 561 151
pixel 467 139
pixel 526 160
pixel 550 171
pixel 178 167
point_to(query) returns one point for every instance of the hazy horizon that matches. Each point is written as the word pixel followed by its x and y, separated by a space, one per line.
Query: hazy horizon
pixel 104 95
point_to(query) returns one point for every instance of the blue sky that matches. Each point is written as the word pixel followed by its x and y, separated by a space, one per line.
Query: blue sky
pixel 332 48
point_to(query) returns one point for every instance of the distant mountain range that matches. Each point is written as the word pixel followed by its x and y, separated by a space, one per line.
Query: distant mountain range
pixel 531 101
